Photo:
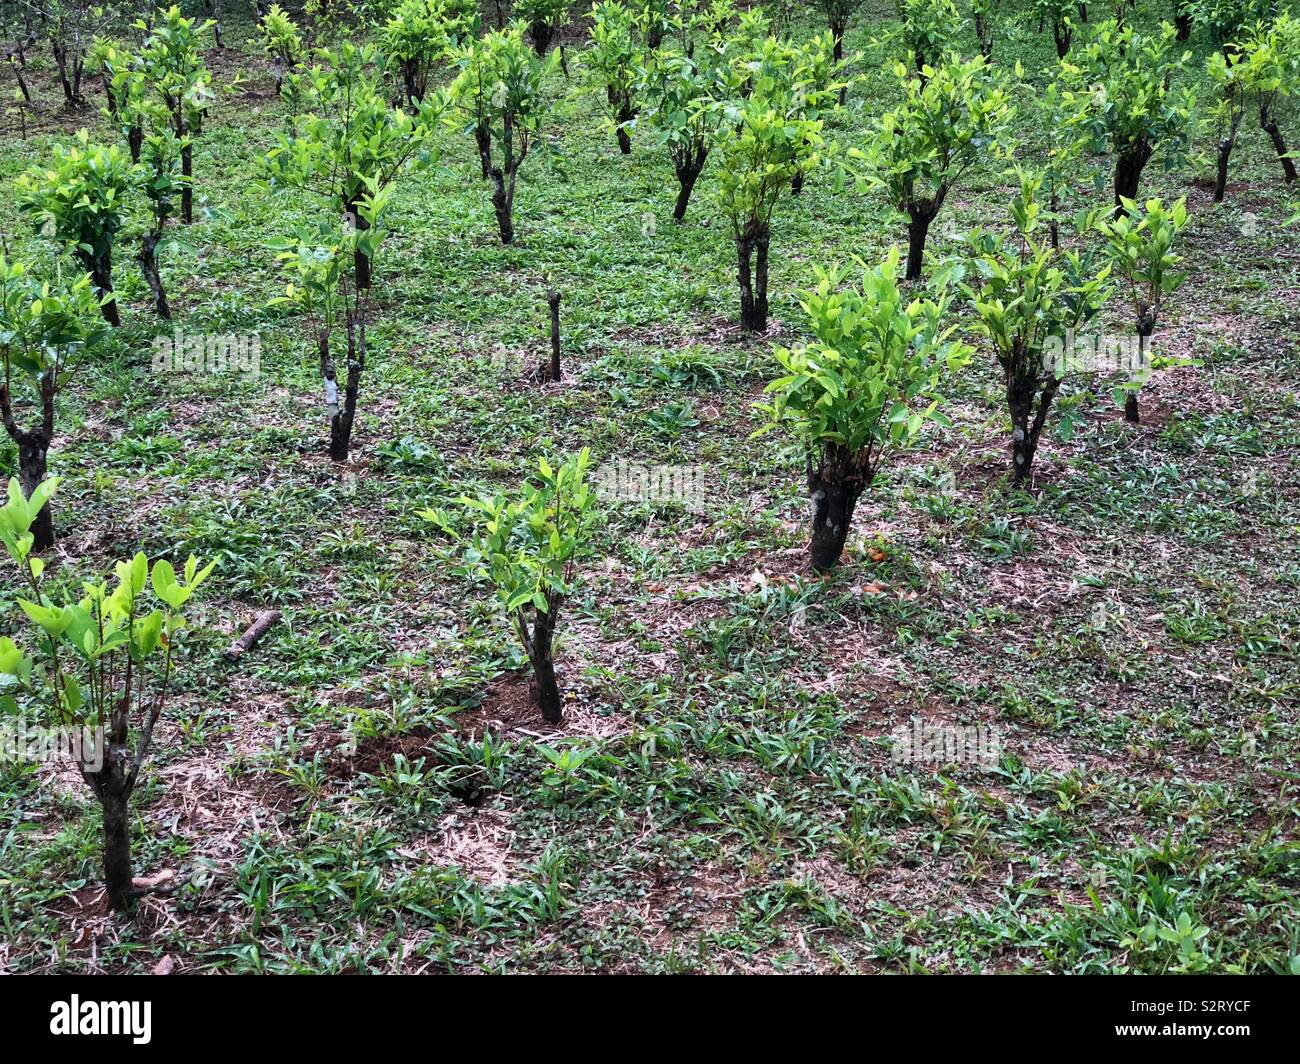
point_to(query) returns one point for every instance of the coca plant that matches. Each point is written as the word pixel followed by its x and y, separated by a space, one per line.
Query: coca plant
pixel 45 331
pixel 613 59
pixel 684 110
pixel 1271 69
pixel 282 43
pixel 984 15
pixel 655 19
pixel 822 86
pixel 102 666
pixel 162 181
pixel 946 125
pixel 323 282
pixel 529 546
pixel 497 94
pixel 1061 15
pixel 542 19
pixel 1136 107
pixel 416 38
pixel 1030 300
pixel 174 72
pixel 81 201
pixel 72 26
pixel 837 14
pixel 1140 244
pixel 1223 22
pixel 1062 117
pixel 929 30
pixel 349 144
pixel 866 386
pixel 771 141
pixel 1229 74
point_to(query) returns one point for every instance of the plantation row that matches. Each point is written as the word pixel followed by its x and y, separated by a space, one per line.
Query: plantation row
pixel 709 86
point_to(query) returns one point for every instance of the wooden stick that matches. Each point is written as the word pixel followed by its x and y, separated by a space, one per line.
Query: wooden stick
pixel 255 631
pixel 553 298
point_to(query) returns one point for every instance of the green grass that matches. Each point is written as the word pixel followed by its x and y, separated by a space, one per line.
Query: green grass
pixel 1129 626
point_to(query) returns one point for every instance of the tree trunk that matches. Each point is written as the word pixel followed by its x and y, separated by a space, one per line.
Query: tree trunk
pixel 1145 327
pixel 834 497
pixel 33 452
pixel 22 81
pixel 1131 408
pixel 483 138
pixel 187 186
pixel 114 803
pixel 1128 172
pixel 918 228
pixel 342 422
pixel 100 268
pixel 360 261
pixel 1269 126
pixel 984 34
pixel 837 53
pixel 1225 151
pixel 501 203
pixel 1062 34
pixel 751 255
pixel 71 98
pixel 540 32
pixel 148 259
pixel 1024 438
pixel 624 113
pixel 546 688
pixel 688 172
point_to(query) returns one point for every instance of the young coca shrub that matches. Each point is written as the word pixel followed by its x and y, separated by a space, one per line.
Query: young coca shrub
pixel 529 546
pixel 613 59
pixel 772 141
pixel 416 38
pixel 1136 107
pixel 929 29
pixel 71 26
pixel 947 124
pixel 837 14
pixel 685 111
pixel 282 43
pixel 1061 15
pixel 867 385
pixel 1140 244
pixel 45 332
pixel 174 73
pixel 349 143
pixel 497 96
pixel 1031 300
pixel 1271 70
pixel 80 200
pixel 323 282
pixel 542 19
pixel 103 666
